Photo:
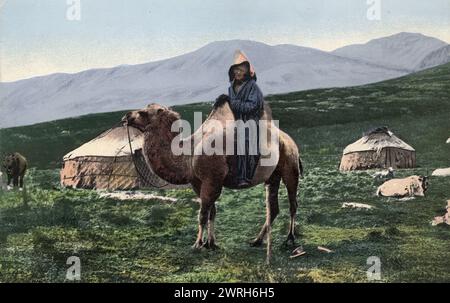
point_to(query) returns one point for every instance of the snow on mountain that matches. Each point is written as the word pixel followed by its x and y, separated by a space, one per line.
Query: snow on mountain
pixel 201 75
pixel 403 50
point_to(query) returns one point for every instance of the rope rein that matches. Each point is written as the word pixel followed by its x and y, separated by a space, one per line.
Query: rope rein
pixel 146 176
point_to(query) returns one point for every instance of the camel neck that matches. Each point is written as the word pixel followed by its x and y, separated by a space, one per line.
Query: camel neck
pixel 164 163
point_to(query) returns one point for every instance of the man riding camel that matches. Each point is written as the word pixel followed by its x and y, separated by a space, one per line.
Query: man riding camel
pixel 246 102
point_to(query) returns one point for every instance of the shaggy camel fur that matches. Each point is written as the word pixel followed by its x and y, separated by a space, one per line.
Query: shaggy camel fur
pixel 208 174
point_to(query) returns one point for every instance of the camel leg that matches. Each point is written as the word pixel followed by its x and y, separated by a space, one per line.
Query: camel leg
pixel 16 181
pixel 211 241
pixel 269 230
pixel 202 220
pixel 21 181
pixel 272 185
pixel 209 193
pixel 196 186
pixel 290 179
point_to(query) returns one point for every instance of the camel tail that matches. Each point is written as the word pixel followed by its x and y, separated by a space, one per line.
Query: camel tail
pixel 300 166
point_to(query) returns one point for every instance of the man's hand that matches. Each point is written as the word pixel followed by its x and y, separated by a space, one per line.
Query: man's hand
pixel 221 101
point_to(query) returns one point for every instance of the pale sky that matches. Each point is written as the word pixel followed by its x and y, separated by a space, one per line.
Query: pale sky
pixel 36 37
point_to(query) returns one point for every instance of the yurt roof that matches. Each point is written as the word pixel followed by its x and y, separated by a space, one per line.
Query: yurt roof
pixel 376 140
pixel 111 143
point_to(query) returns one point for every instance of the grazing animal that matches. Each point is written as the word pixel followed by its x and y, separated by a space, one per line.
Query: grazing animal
pixel 15 166
pixel 384 174
pixel 409 186
pixel 208 174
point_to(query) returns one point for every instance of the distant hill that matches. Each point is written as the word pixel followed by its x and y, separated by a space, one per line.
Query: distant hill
pixel 422 97
pixel 437 57
pixel 408 51
pixel 202 76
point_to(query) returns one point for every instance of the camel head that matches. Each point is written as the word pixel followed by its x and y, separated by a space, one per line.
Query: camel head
pixel 154 115
pixel 9 163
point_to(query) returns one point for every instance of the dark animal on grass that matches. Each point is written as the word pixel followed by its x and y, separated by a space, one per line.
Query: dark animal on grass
pixel 15 166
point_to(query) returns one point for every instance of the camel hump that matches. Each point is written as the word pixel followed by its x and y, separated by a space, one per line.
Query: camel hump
pixel 269 142
pixel 266 111
pixel 224 112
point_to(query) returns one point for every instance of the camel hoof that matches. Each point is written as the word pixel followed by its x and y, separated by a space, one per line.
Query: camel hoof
pixel 210 245
pixel 256 243
pixel 197 245
pixel 291 239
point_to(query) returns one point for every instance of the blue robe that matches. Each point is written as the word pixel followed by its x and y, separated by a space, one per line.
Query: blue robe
pixel 247 104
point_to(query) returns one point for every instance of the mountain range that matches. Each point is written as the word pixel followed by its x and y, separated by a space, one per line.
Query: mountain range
pixel 202 75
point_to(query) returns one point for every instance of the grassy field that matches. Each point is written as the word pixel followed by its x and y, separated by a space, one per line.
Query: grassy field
pixel 149 241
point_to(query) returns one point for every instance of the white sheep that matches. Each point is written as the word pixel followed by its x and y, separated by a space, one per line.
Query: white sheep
pixel 406 187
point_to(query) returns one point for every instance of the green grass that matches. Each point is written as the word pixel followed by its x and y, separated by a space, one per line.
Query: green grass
pixel 149 241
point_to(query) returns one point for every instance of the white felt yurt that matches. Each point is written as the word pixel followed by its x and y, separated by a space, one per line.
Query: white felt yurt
pixel 106 162
pixel 378 148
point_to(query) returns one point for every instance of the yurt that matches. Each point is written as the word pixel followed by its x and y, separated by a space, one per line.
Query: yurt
pixel 106 162
pixel 378 148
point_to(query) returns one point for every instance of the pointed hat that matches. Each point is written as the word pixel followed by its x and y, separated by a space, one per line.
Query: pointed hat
pixel 239 58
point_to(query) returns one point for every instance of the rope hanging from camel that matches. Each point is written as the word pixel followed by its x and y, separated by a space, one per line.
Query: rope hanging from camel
pixel 146 176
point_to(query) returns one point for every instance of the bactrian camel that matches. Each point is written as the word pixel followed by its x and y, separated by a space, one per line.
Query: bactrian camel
pixel 208 174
